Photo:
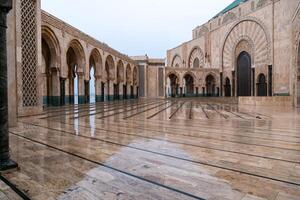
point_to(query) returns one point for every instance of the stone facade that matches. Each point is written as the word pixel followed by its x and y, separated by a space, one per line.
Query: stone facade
pixel 151 80
pixel 266 31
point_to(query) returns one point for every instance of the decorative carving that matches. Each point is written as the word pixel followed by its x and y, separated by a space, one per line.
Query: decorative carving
pixel 252 31
pixel 29 64
pixel 176 61
pixel 229 17
pixel 196 54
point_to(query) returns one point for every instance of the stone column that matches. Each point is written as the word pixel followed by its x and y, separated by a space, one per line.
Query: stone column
pixel 55 87
pixel 5 162
pixel 111 91
pixel 81 95
pixel 44 91
pixel 128 91
pixel 135 92
pixel 98 89
pixel 121 92
pixel 67 91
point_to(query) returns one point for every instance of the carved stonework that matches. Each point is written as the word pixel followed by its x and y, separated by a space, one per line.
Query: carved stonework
pixel 252 31
pixel 243 45
pixel 261 3
pixel 176 61
pixel 229 17
pixel 196 53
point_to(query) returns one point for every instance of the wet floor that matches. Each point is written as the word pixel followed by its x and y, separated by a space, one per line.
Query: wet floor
pixel 157 149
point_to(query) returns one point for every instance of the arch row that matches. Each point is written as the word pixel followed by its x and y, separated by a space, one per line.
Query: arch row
pixel 188 83
pixel 76 72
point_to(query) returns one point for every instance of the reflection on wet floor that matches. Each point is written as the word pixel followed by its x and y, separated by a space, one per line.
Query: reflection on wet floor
pixel 158 149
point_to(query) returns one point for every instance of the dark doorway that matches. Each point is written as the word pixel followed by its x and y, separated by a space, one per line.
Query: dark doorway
pixel 189 85
pixel 174 85
pixel 262 86
pixel 210 86
pixel 227 88
pixel 244 74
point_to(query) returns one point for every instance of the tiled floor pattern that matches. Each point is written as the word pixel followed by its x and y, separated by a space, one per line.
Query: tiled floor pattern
pixel 157 149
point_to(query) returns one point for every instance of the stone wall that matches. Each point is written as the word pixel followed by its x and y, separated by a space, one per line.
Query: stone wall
pixel 266 29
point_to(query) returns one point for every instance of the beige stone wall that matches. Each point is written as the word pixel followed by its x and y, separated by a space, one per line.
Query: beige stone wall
pixel 152 83
pixel 268 29
pixel 12 63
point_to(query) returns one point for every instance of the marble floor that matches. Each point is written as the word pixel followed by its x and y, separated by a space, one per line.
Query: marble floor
pixel 157 149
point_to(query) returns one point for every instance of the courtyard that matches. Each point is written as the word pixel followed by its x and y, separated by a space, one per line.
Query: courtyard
pixel 184 148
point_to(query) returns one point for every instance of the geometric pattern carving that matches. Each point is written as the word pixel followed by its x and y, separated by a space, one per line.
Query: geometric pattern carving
pixel 29 53
pixel 253 33
pixel 176 61
pixel 196 54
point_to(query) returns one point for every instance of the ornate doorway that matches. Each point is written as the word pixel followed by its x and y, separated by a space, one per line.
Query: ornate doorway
pixel 244 74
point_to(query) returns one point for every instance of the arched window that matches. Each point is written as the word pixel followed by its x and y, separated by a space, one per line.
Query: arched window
pixel 196 63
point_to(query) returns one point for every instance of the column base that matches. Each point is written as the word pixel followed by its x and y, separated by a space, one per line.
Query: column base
pixel 99 98
pixel 81 99
pixel 8 165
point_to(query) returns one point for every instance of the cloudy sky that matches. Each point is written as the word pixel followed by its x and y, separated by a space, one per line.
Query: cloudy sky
pixel 137 27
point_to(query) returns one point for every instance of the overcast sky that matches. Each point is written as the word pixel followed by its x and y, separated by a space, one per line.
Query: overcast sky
pixel 137 27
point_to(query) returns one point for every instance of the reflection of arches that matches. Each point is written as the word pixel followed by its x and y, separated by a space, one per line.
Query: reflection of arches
pixel 189 84
pixel 227 87
pixel 210 85
pixel 50 67
pixel 76 63
pixel 196 58
pixel 262 85
pixel 176 62
pixel 244 74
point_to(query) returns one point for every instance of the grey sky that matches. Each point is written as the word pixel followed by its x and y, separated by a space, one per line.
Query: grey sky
pixel 137 27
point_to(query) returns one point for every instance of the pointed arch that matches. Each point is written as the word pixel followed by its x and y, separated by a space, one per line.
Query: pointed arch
pixel 78 51
pixel 95 61
pixel 128 74
pixel 120 71
pixel 49 38
pixel 110 68
pixel 253 31
pixel 196 58
pixel 176 61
